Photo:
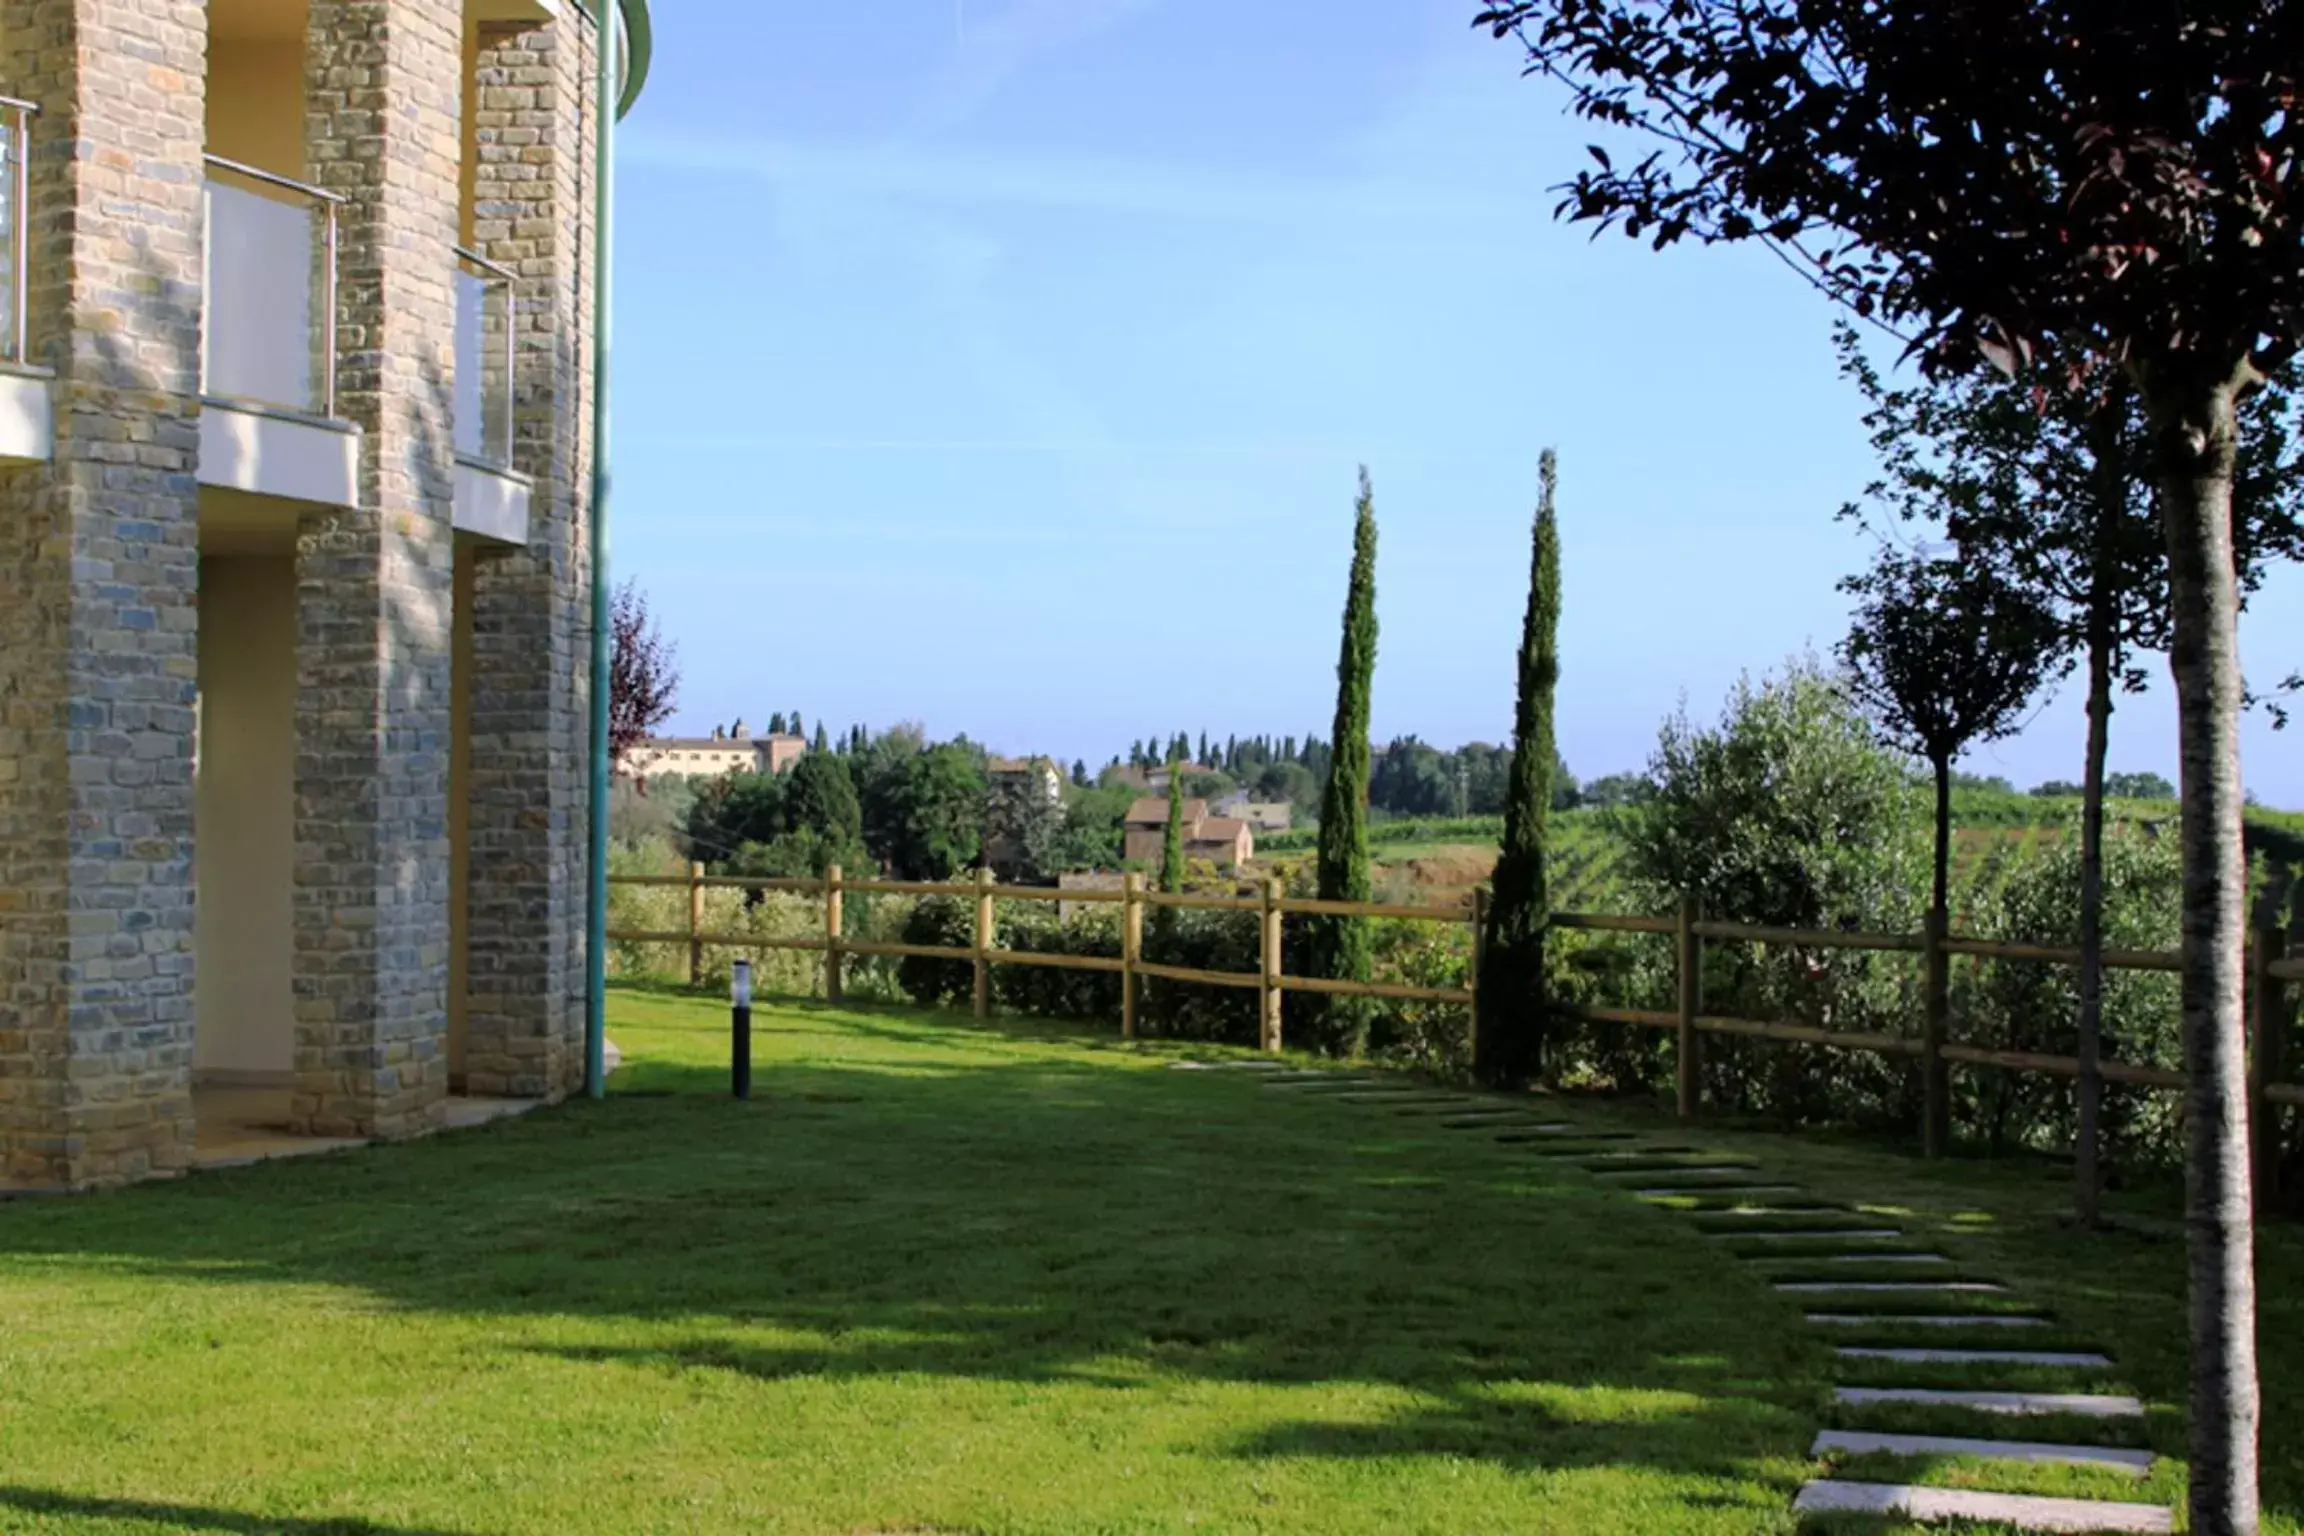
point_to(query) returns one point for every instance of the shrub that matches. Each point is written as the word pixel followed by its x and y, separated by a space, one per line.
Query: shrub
pixel 2025 1005
pixel 1045 991
pixel 1790 813
pixel 1435 1037
pixel 939 920
pixel 1203 941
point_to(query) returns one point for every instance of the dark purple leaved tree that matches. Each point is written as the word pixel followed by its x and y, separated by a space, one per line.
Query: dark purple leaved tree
pixel 643 674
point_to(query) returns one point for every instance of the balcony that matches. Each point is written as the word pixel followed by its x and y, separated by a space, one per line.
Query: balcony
pixel 491 497
pixel 27 425
pixel 268 344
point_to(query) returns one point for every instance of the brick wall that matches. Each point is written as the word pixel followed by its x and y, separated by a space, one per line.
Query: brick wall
pixel 98 619
pixel 531 724
pixel 98 625
pixel 375 583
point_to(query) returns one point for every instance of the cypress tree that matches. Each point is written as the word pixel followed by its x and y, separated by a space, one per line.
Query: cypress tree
pixel 1172 844
pixel 823 742
pixel 1510 1030
pixel 1343 949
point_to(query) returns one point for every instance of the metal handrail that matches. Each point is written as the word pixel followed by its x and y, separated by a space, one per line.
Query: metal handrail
pixel 498 453
pixel 329 203
pixel 274 178
pixel 496 268
pixel 20 236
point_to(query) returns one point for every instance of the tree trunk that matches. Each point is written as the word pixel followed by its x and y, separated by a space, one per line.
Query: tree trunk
pixel 2196 433
pixel 2111 479
pixel 1936 1005
pixel 1940 892
pixel 2087 1178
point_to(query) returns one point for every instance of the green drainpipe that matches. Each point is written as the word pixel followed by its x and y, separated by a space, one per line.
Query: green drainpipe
pixel 617 89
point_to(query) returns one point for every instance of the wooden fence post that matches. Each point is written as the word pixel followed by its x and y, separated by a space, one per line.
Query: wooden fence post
pixel 695 924
pixel 983 942
pixel 1935 1004
pixel 1270 997
pixel 2268 1030
pixel 1688 1065
pixel 1131 949
pixel 835 916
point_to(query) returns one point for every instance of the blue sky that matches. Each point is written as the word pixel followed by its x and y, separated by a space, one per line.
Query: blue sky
pixel 1004 365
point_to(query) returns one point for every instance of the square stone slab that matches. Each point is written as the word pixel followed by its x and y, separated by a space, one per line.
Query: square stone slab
pixel 2025 1511
pixel 2088 1405
pixel 1928 1320
pixel 1858 1442
pixel 2077 1360
pixel 1993 1286
pixel 1813 1234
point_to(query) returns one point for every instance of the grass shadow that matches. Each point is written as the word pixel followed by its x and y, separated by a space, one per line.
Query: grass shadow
pixel 81 1511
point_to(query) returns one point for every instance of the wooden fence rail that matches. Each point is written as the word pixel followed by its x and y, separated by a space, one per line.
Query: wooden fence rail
pixel 2270 968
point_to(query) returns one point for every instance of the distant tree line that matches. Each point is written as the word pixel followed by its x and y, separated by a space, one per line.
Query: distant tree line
pixel 895 802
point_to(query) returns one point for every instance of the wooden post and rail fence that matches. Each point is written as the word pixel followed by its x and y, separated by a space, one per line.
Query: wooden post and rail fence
pixel 2270 971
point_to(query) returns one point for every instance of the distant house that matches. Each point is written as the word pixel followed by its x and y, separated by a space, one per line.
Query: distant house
pixel 1263 815
pixel 1145 833
pixel 733 749
pixel 1226 841
pixel 1040 770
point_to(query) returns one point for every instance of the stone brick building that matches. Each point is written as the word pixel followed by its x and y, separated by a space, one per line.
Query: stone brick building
pixel 294 587
pixel 733 749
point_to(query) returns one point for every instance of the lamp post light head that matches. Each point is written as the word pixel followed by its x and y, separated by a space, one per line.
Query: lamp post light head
pixel 740 983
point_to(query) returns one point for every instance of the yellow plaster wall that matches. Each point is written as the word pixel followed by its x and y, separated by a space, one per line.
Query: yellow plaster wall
pixel 244 840
pixel 256 103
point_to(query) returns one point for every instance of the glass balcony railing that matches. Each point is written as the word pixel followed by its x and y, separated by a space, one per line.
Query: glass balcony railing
pixel 15 225
pixel 484 343
pixel 270 336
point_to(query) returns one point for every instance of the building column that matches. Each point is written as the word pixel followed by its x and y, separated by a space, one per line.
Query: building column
pixel 99 572
pixel 374 583
pixel 530 727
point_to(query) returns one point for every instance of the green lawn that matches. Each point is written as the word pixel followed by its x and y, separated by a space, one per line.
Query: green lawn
pixel 938 1279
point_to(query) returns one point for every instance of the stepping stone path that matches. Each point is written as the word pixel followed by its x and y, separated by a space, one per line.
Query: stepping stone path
pixel 1842 1235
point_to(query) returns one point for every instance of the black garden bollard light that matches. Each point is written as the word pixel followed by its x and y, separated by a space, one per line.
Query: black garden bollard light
pixel 740 1029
